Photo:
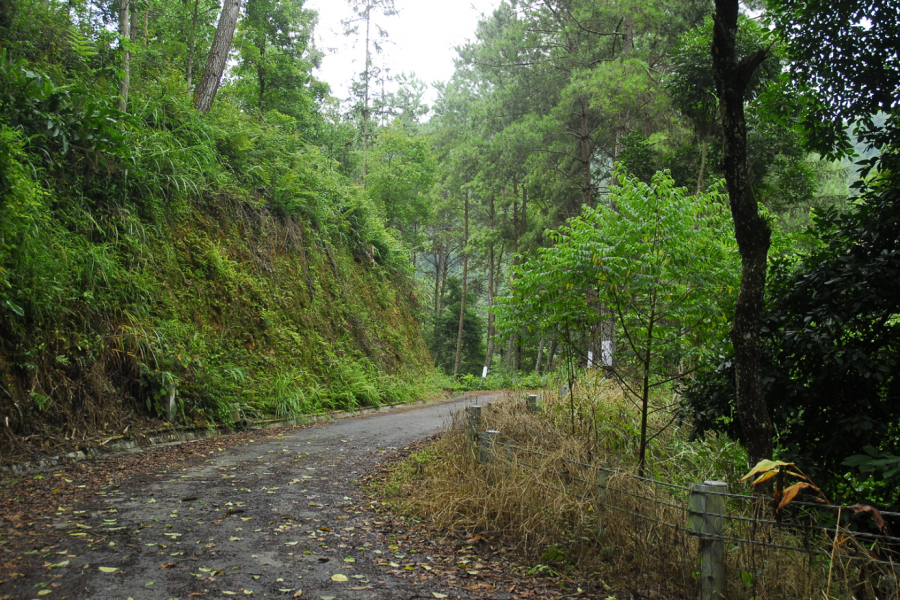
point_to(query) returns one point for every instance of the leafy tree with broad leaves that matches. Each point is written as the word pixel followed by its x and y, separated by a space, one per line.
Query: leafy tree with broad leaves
pixel 844 67
pixel 831 352
pixel 663 260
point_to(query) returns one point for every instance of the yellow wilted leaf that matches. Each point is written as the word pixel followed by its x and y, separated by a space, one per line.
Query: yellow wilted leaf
pixel 765 465
pixel 339 577
pixel 109 569
pixel 765 477
pixel 791 493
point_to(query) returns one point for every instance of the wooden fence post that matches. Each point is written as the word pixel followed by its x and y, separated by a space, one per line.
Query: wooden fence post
pixel 487 441
pixel 706 520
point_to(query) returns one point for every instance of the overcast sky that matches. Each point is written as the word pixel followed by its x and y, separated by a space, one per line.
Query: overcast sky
pixel 421 39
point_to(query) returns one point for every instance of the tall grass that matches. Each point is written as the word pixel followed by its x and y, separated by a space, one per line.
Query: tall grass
pixel 543 496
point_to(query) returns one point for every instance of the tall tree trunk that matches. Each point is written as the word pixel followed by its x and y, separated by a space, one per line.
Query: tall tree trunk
pixel 261 80
pixel 524 208
pixel 366 74
pixel 585 141
pixel 437 282
pixel 462 303
pixel 192 45
pixel 537 363
pixel 218 56
pixel 125 34
pixel 645 391
pixel 750 229
pixel 512 360
pixel 489 356
pixel 704 143
pixel 549 362
pixel 133 28
pixel 445 269
pixel 628 38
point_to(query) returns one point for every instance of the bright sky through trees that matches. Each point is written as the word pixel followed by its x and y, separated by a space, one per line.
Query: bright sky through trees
pixel 421 40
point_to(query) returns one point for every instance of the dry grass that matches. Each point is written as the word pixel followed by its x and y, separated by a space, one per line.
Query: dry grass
pixel 541 495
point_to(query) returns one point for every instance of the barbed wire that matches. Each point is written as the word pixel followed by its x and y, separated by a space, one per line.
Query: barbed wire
pixel 729 517
pixel 601 485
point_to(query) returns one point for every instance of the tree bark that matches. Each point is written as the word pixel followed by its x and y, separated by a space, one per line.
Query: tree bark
pixel 192 45
pixel 437 282
pixel 751 230
pixel 218 56
pixel 537 363
pixel 133 28
pixel 125 34
pixel 586 152
pixel 704 143
pixel 462 303
pixel 512 360
pixel 489 356
pixel 548 364
pixel 366 75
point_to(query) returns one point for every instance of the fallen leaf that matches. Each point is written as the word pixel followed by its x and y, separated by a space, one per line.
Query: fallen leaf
pixel 60 565
pixel 108 569
pixel 166 565
pixel 298 593
pixel 339 577
pixel 438 595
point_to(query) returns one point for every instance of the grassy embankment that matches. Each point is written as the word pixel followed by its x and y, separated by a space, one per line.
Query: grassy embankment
pixel 223 257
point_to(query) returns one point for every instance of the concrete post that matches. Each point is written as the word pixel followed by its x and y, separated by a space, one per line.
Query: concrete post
pixel 532 403
pixel 473 426
pixel 602 476
pixel 706 520
pixel 487 441
pixel 170 408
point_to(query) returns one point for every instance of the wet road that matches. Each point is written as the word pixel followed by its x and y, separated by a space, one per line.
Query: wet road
pixel 280 515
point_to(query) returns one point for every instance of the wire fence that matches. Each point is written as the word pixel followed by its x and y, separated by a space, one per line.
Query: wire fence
pixel 722 523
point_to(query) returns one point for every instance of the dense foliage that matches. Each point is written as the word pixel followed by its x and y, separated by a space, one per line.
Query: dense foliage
pixel 151 251
pixel 831 338
pixel 290 251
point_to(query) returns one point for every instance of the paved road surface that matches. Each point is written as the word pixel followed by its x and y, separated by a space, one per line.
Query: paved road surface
pixel 268 518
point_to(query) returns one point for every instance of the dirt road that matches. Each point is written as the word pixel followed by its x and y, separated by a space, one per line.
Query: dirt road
pixel 279 514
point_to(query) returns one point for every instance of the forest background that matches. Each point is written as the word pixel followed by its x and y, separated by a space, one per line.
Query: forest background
pixel 189 217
